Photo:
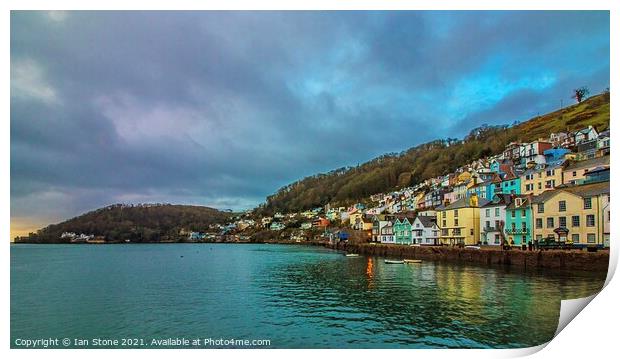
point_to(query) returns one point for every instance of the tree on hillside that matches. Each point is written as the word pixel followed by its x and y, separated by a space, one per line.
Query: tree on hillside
pixel 581 93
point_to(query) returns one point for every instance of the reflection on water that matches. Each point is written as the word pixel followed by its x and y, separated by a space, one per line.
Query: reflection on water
pixel 299 297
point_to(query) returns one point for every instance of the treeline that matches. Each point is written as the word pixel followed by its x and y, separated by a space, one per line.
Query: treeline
pixel 396 170
pixel 141 223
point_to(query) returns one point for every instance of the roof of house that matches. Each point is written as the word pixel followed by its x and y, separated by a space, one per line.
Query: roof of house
pixel 464 203
pixel 427 221
pixel 592 162
pixel 499 199
pixel 585 190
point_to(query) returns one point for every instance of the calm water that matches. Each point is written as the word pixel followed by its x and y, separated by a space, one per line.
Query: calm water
pixel 295 296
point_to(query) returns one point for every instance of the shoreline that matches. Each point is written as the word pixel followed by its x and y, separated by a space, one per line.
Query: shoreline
pixel 540 259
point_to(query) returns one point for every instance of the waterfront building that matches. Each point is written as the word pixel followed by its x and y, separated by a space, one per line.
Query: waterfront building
pixel 402 230
pixel 493 219
pixel 387 233
pixel 378 222
pixel 459 222
pixel 573 214
pixel 425 231
pixel 518 227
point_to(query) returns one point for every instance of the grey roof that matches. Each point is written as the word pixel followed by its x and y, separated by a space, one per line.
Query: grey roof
pixel 464 203
pixel 592 162
pixel 428 221
pixel 498 199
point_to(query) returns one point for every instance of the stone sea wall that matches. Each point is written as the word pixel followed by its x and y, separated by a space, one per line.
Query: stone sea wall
pixel 556 259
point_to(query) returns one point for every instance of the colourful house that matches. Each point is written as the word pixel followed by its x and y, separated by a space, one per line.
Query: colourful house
pixel 459 222
pixel 402 231
pixel 518 227
pixel 577 214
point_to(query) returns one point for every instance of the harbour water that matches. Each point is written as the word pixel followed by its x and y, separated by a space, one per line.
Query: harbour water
pixel 293 296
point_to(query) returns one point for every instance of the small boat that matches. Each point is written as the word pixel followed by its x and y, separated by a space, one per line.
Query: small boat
pixel 387 261
pixel 413 261
pixel 351 255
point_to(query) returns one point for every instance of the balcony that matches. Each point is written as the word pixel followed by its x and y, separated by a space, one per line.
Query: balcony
pixel 489 229
pixel 516 231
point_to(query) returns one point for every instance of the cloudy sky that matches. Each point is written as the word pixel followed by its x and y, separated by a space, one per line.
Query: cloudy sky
pixel 223 108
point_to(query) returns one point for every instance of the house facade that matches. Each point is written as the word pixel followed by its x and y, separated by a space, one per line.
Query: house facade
pixel 574 214
pixel 459 222
pixel 493 219
pixel 518 227
pixel 425 231
pixel 402 231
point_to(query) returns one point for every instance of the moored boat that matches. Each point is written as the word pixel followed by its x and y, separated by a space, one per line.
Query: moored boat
pixel 352 255
pixel 413 261
pixel 388 261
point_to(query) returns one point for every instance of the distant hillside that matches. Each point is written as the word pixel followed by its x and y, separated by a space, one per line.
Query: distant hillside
pixel 143 223
pixel 431 159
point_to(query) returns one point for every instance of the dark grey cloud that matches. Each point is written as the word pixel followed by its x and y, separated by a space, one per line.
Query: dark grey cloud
pixel 223 108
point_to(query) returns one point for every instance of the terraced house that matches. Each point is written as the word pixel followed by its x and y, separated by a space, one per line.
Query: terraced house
pixel 518 227
pixel 402 230
pixel 577 214
pixel 493 219
pixel 459 222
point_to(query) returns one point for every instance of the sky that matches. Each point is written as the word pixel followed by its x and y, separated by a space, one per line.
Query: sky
pixel 223 108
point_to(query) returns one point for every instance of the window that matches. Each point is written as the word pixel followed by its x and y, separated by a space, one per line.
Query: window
pixel 488 212
pixel 524 226
pixel 539 223
pixel 562 205
pixel 443 222
pixel 590 220
pixel 456 213
pixel 514 213
pixel 574 173
pixel 497 239
pixel 456 222
pixel 539 185
pixel 587 203
pixel 575 238
pixel 562 221
pixel 522 213
pixel 471 232
pixel 488 224
pixel 541 208
pixel 550 222
pixel 497 212
pixel 591 238
pixel 575 221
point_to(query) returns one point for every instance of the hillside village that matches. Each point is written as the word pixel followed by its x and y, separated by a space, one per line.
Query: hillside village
pixel 553 190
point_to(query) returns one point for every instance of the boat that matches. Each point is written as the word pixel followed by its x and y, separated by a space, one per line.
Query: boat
pixel 413 261
pixel 388 261
pixel 351 255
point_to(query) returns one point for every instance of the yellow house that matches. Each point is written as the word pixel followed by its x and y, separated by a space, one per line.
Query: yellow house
pixel 459 222
pixel 538 181
pixel 572 214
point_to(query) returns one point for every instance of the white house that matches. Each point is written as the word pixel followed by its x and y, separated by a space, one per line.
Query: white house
pixel 492 219
pixel 424 230
pixel 387 233
pixel 587 134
